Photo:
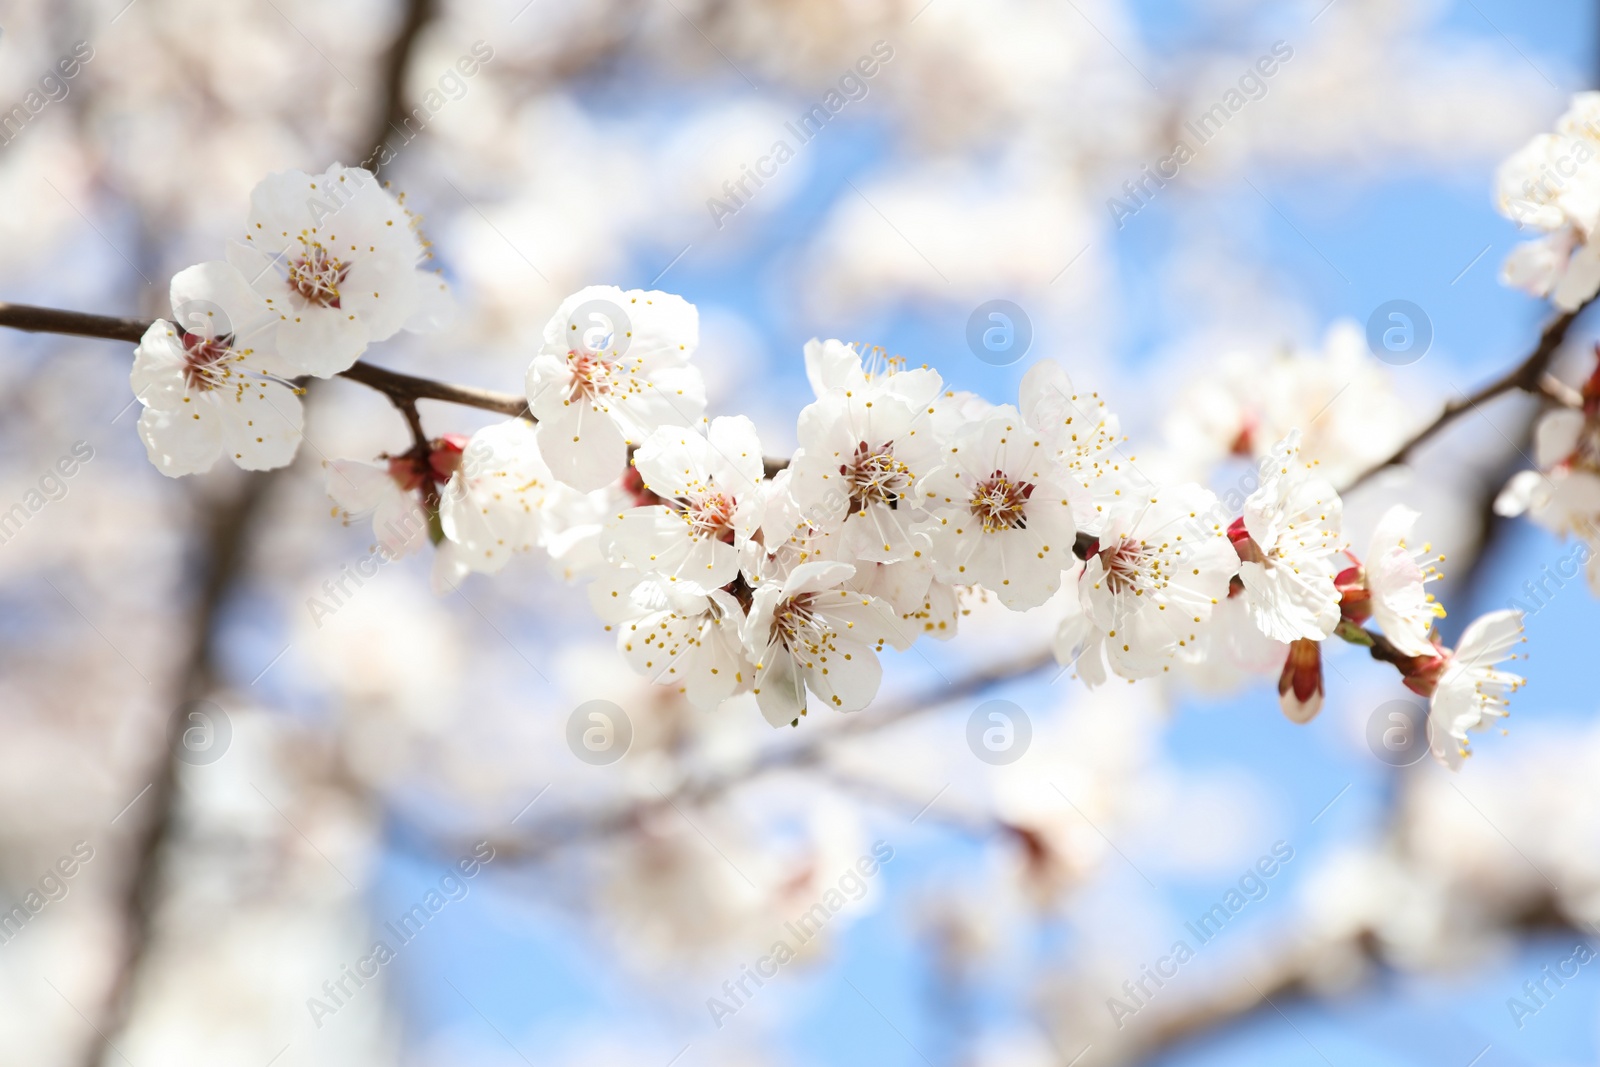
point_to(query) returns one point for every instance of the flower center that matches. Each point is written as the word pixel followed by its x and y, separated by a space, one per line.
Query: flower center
pixel 710 516
pixel 1130 567
pixel 1243 443
pixel 591 376
pixel 1000 503
pixel 317 276
pixel 875 476
pixel 796 626
pixel 1586 453
pixel 204 360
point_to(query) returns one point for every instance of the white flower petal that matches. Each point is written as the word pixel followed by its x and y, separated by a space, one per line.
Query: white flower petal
pixel 583 447
pixel 182 442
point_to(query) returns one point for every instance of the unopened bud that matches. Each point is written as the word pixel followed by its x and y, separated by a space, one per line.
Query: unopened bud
pixel 444 459
pixel 1355 599
pixel 1300 684
pixel 1243 544
pixel 1591 388
pixel 1244 441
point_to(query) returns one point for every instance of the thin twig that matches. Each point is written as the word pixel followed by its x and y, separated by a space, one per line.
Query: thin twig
pixel 391 111
pixel 558 831
pixel 421 457
pixel 398 387
pixel 406 387
pixel 1527 376
pixel 401 389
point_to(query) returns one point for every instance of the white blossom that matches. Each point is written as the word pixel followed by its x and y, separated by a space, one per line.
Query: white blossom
pixel 1346 405
pixel 1472 691
pixel 1288 560
pixel 612 368
pixel 1086 439
pixel 1231 650
pixel 865 443
pixel 1004 509
pixel 205 384
pixel 1159 567
pixel 924 605
pixel 708 487
pixel 809 631
pixel 1396 578
pixel 500 500
pixel 339 262
pixel 692 640
pixel 1563 493
pixel 388 493
pixel 1552 185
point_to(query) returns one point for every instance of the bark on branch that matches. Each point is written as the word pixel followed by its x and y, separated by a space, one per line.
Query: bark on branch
pixel 397 386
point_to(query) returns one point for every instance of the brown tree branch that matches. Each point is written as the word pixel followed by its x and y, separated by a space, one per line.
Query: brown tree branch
pixel 1299 973
pixel 1527 376
pixel 398 387
pixel 407 387
pixel 72 323
pixel 558 831
pixel 391 111
pixel 402 389
pixel 225 525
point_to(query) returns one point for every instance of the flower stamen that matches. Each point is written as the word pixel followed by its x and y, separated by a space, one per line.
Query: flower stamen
pixel 317 276
pixel 1001 504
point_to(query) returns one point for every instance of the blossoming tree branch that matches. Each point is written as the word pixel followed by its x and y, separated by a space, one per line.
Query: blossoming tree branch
pixel 721 571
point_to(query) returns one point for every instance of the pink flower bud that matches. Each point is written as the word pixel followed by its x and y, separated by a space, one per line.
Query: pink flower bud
pixel 1355 599
pixel 1300 684
pixel 445 457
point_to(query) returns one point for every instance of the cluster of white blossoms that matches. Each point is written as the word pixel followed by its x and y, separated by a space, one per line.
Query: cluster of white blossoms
pixel 721 571
pixel 328 264
pixel 1563 493
pixel 1553 185
pixel 1240 404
